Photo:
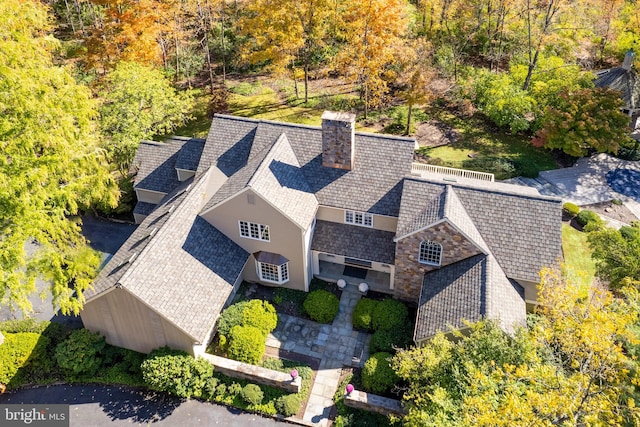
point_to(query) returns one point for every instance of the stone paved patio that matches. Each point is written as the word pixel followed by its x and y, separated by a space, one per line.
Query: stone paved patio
pixel 336 345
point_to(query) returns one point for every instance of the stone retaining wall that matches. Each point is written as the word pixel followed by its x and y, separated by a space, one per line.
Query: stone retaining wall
pixel 374 403
pixel 257 374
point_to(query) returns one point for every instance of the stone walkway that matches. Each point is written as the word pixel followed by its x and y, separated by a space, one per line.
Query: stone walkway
pixel 336 345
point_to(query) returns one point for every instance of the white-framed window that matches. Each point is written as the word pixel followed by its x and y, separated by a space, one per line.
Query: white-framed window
pixel 358 218
pixel 273 273
pixel 430 252
pixel 251 230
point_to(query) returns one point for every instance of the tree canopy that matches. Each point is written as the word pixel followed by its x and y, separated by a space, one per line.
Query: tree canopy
pixel 50 166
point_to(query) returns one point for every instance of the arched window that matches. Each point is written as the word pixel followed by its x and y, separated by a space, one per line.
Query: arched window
pixel 430 252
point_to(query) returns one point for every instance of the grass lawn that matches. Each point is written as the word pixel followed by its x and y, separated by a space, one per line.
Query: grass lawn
pixel 577 255
pixel 492 150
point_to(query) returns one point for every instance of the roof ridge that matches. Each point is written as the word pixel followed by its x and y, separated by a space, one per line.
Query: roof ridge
pixel 282 138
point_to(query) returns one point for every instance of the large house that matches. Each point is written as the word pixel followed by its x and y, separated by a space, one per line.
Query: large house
pixel 279 204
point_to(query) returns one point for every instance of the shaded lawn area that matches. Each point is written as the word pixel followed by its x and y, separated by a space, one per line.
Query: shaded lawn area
pixel 491 150
pixel 577 255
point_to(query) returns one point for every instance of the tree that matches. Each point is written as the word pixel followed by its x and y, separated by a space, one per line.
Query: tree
pixel 282 31
pixel 585 121
pixel 138 103
pixel 415 77
pixel 50 167
pixel 617 256
pixel 373 31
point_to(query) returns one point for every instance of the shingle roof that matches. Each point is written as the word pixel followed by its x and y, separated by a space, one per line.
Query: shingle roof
pixel 627 82
pixel 354 241
pixel 279 180
pixel 190 153
pixel 380 161
pixel 188 270
pixel 144 208
pixel 155 162
pixel 468 290
pixel 420 206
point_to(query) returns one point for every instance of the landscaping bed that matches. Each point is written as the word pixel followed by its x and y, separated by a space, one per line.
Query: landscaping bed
pixel 614 210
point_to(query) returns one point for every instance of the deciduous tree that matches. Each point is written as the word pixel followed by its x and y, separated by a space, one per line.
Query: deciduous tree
pixel 617 256
pixel 50 165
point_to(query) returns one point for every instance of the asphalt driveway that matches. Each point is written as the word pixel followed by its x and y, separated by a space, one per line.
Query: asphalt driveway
pixel 95 405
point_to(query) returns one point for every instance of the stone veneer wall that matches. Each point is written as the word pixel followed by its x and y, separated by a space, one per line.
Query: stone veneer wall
pixel 410 272
pixel 257 374
pixel 374 403
pixel 338 140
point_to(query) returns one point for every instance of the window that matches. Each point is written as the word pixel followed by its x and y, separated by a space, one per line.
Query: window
pixel 358 218
pixel 273 273
pixel 251 230
pixel 430 252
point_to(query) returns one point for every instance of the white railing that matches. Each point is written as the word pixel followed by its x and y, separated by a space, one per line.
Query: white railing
pixel 420 168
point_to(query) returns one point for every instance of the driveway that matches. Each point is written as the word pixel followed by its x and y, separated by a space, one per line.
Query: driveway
pixel 95 405
pixel 103 236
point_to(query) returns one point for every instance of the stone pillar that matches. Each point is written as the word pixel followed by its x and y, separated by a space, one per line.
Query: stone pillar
pixel 338 140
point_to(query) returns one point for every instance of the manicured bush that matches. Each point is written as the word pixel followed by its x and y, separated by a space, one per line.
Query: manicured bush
pixel 251 393
pixel 377 375
pixel 322 306
pixel 389 314
pixel 589 220
pixel 571 209
pixel 246 344
pixel 363 314
pixel 288 405
pixel 20 351
pixel 388 341
pixel 230 317
pixel 177 373
pixel 260 314
pixel 81 353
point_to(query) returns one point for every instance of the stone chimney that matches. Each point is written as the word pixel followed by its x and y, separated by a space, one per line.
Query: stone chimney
pixel 338 140
pixel 628 60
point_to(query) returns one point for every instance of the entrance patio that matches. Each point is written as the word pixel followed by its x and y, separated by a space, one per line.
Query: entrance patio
pixel 378 281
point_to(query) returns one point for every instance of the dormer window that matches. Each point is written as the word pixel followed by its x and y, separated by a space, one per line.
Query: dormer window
pixel 358 218
pixel 430 253
pixel 251 230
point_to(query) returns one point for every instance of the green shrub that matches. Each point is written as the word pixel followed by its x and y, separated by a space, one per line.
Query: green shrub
pixel 81 353
pixel 210 388
pixel 589 220
pixel 363 314
pixel 260 314
pixel 177 373
pixel 221 390
pixel 389 314
pixel 322 306
pixel 617 202
pixel 388 341
pixel 377 375
pixel 251 393
pixel 19 351
pixel 246 344
pixel 230 317
pixel 234 389
pixel 571 209
pixel 288 405
pixel 630 232
pixel 29 324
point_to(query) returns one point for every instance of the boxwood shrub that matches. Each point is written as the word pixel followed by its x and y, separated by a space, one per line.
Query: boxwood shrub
pixel 322 306
pixel 178 373
pixel 19 351
pixel 388 341
pixel 389 314
pixel 246 344
pixel 288 405
pixel 363 314
pixel 377 375
pixel 251 393
pixel 571 209
pixel 589 220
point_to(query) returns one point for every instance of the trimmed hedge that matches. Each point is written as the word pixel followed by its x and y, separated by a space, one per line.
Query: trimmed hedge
pixel 571 209
pixel 389 314
pixel 288 405
pixel 246 344
pixel 589 220
pixel 388 341
pixel 178 373
pixel 81 353
pixel 377 375
pixel 19 351
pixel 322 306
pixel 230 317
pixel 363 314
pixel 251 393
pixel 260 314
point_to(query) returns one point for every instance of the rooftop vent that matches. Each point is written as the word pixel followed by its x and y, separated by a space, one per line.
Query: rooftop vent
pixel 338 140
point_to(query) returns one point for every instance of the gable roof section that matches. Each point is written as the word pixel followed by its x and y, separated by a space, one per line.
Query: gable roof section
pixel 353 241
pixel 470 289
pixel 189 154
pixel 381 162
pixel 155 163
pixel 627 82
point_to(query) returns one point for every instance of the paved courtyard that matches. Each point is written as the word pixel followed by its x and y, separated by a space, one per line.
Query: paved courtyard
pixel 335 345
